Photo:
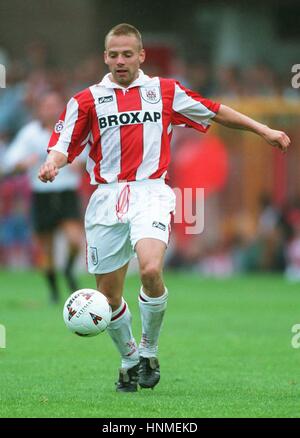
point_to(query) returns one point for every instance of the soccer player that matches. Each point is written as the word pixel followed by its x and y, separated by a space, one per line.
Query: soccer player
pixel 127 121
pixel 53 206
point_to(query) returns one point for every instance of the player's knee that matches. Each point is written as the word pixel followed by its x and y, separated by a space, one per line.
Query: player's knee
pixel 150 273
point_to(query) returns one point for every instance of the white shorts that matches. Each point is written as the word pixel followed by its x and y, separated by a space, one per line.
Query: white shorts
pixel 119 215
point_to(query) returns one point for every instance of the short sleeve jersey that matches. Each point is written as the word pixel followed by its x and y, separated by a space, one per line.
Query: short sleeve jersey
pixel 128 130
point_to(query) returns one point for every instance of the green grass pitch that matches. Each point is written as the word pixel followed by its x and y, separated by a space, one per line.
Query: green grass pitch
pixel 225 351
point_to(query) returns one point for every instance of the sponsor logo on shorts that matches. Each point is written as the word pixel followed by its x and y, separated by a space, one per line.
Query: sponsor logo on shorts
pixel 59 126
pixel 159 225
pixel 94 255
pixel 105 99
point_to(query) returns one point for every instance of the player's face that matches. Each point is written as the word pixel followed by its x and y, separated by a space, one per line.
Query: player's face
pixel 123 56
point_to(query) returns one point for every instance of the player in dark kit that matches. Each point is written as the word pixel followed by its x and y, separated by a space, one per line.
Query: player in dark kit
pixel 54 206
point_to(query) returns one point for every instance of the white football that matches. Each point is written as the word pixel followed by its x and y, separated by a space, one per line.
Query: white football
pixel 87 312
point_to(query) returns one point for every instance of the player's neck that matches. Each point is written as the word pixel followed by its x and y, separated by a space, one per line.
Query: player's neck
pixel 112 79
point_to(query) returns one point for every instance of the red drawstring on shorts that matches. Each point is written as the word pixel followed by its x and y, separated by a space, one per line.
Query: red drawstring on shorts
pixel 123 202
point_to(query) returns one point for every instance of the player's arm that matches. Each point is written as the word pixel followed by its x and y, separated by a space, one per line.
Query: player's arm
pixel 50 168
pixel 69 137
pixel 233 119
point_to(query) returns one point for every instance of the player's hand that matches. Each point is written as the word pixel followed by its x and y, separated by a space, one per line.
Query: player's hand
pixel 48 172
pixel 278 139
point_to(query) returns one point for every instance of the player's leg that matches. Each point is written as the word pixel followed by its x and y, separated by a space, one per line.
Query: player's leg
pixel 151 253
pixel 119 329
pixel 69 220
pixel 150 228
pixel 73 231
pixel 44 222
pixel 111 285
pixel 46 242
pixel 152 303
pixel 108 253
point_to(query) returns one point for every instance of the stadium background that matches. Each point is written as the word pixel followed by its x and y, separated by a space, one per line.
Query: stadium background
pixel 239 53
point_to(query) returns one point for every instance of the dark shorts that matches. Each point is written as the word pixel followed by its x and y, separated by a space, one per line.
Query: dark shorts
pixel 49 210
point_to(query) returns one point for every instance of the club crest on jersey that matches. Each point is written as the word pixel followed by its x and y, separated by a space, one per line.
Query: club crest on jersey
pixel 150 94
pixel 59 126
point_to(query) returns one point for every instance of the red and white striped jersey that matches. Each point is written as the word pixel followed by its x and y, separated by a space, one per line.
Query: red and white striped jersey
pixel 128 130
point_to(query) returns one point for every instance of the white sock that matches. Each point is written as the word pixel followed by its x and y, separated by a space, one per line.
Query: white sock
pixel 120 331
pixel 152 313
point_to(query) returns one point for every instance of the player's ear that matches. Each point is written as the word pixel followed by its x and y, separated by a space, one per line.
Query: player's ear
pixel 105 56
pixel 142 56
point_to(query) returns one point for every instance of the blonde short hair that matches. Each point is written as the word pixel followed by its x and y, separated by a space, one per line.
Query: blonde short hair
pixel 124 29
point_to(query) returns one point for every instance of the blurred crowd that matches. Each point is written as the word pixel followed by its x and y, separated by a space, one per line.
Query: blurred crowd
pixel 269 244
pixel 275 244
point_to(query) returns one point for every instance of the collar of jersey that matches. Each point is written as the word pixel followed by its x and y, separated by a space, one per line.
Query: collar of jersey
pixel 140 80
